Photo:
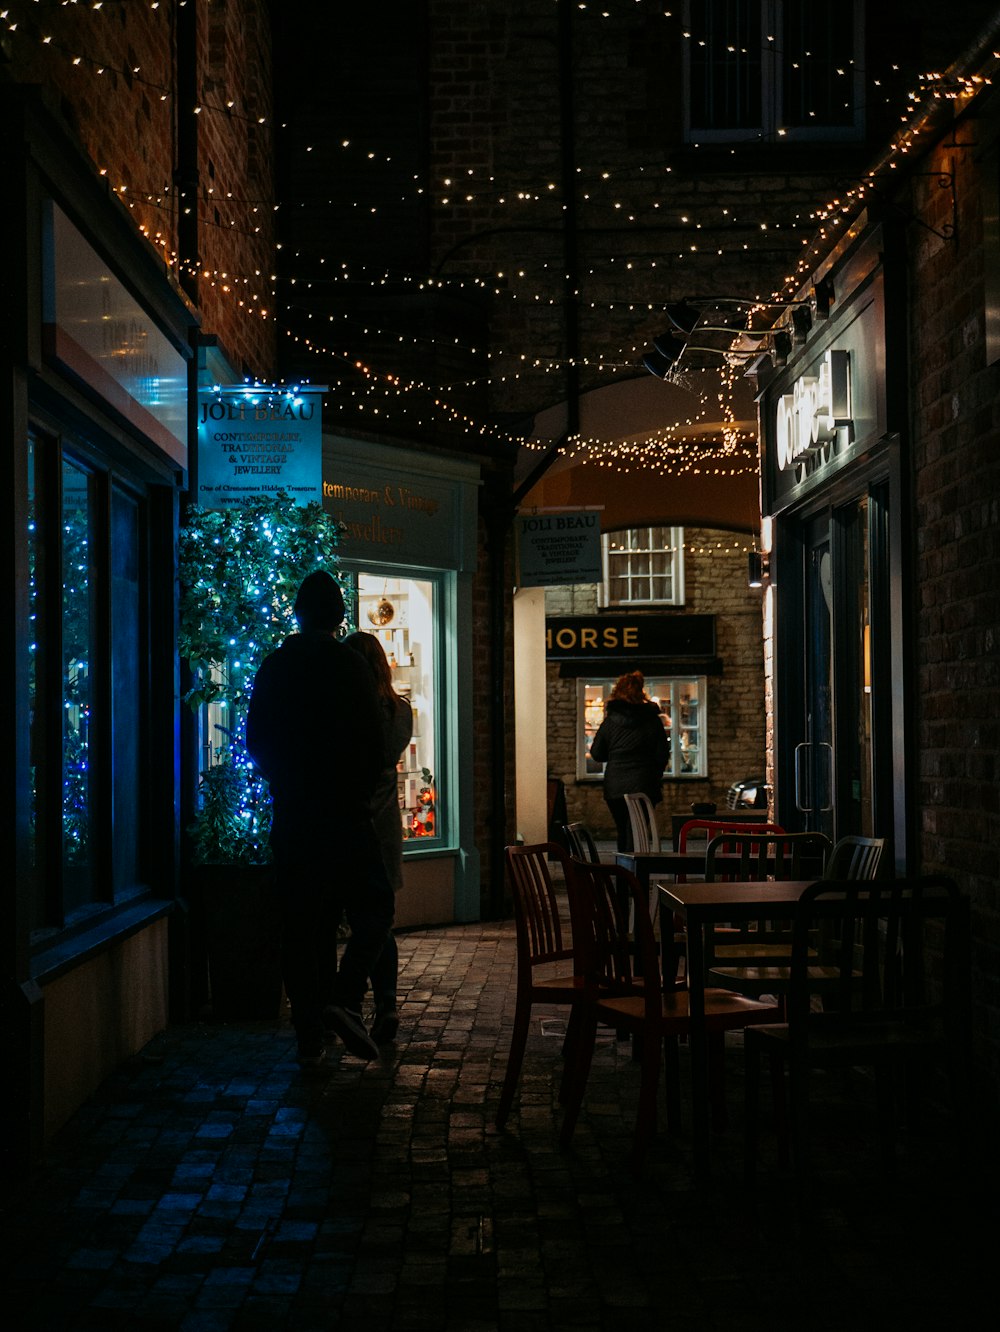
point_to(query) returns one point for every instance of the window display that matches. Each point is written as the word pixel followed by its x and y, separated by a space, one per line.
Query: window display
pixel 400 613
pixel 681 703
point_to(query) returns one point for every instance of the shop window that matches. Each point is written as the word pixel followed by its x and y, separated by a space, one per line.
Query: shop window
pixel 643 566
pixel 773 69
pixel 87 688
pixel 681 700
pixel 403 614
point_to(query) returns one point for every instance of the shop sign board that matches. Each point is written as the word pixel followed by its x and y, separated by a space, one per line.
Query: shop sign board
pixel 558 548
pixel 817 407
pixel 400 506
pixel 595 637
pixel 256 442
pixel 97 331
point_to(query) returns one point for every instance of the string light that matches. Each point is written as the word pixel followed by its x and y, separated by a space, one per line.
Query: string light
pixel 685 233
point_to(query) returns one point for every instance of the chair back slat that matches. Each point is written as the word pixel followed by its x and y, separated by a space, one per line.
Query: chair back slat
pixel 855 857
pixel 706 829
pixel 580 841
pixel 758 856
pixel 642 820
pixel 604 901
pixel 538 924
pixel 874 935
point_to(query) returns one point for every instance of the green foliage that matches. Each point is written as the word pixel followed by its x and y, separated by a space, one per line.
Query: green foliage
pixel 240 570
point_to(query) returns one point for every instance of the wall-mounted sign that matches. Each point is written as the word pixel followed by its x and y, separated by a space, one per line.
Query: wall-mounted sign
pixel 818 406
pixel 557 548
pixel 255 442
pixel 98 331
pixel 593 637
pixel 400 506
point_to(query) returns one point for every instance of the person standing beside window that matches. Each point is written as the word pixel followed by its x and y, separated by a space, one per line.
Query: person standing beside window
pixel 633 745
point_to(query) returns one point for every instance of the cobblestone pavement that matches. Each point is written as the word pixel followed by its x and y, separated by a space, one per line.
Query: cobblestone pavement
pixel 212 1185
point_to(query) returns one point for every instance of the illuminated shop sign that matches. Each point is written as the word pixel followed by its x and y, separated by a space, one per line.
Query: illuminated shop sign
pixel 592 637
pixel 256 441
pixel 816 409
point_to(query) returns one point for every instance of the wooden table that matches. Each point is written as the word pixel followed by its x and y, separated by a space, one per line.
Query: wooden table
pixel 702 905
pixel 646 865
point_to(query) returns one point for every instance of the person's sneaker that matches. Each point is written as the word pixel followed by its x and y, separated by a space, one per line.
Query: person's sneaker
pixel 352 1031
pixel 385 1026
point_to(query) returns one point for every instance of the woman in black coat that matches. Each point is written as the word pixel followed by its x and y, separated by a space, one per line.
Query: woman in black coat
pixel 633 744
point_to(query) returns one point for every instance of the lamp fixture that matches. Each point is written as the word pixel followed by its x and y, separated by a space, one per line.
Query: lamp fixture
pixel 781 345
pixel 756 569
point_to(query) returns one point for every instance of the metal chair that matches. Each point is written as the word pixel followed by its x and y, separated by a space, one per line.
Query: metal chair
pixel 878 1009
pixel 542 945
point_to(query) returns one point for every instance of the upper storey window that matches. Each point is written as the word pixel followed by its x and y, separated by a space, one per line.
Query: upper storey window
pixel 773 70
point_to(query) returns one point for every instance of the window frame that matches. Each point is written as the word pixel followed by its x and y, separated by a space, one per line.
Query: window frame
pixel 57 906
pixel 676 539
pixel 771 129
pixel 673 771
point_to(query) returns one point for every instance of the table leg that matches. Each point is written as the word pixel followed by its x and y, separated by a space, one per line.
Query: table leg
pixel 700 1101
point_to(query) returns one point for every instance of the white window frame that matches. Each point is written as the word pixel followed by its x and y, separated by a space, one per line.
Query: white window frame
pixel 772 92
pixel 657 686
pixel 675 539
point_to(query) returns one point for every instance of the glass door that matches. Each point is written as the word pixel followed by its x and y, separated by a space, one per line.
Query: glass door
pixel 814 754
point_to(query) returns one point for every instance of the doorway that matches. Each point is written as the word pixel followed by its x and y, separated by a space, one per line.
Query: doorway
pixel 839 709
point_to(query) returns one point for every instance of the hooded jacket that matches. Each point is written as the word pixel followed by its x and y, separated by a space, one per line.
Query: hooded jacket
pixel 633 744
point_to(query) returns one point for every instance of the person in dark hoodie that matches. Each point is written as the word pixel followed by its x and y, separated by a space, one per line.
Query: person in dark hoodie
pixel 633 744
pixel 314 729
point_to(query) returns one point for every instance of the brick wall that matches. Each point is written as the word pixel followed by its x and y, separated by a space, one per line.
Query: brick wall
pixel 956 472
pixel 110 72
pixel 715 584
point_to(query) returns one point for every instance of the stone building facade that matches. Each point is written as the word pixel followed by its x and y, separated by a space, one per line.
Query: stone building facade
pixel 715 579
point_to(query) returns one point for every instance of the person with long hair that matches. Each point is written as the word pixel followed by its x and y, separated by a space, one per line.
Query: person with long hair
pixel 633 744
pixel 397 728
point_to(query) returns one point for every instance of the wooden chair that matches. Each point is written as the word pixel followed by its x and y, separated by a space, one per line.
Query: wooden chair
pixel 642 819
pixel 878 1009
pixel 546 971
pixel 855 858
pixel 624 990
pixel 645 838
pixel 580 841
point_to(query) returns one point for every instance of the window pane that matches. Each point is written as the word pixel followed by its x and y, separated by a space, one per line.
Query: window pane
pixel 401 613
pixel 77 654
pixel 35 650
pixel 725 64
pixel 643 566
pixel 817 69
pixel 681 708
pixel 126 687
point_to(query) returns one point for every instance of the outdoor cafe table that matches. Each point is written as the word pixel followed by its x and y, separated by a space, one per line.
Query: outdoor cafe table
pixel 646 865
pixel 701 905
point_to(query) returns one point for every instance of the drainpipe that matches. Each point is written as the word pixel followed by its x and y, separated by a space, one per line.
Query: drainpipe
pixel 503 503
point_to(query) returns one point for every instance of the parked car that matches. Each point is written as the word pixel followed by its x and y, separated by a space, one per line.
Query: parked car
pixel 750 793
